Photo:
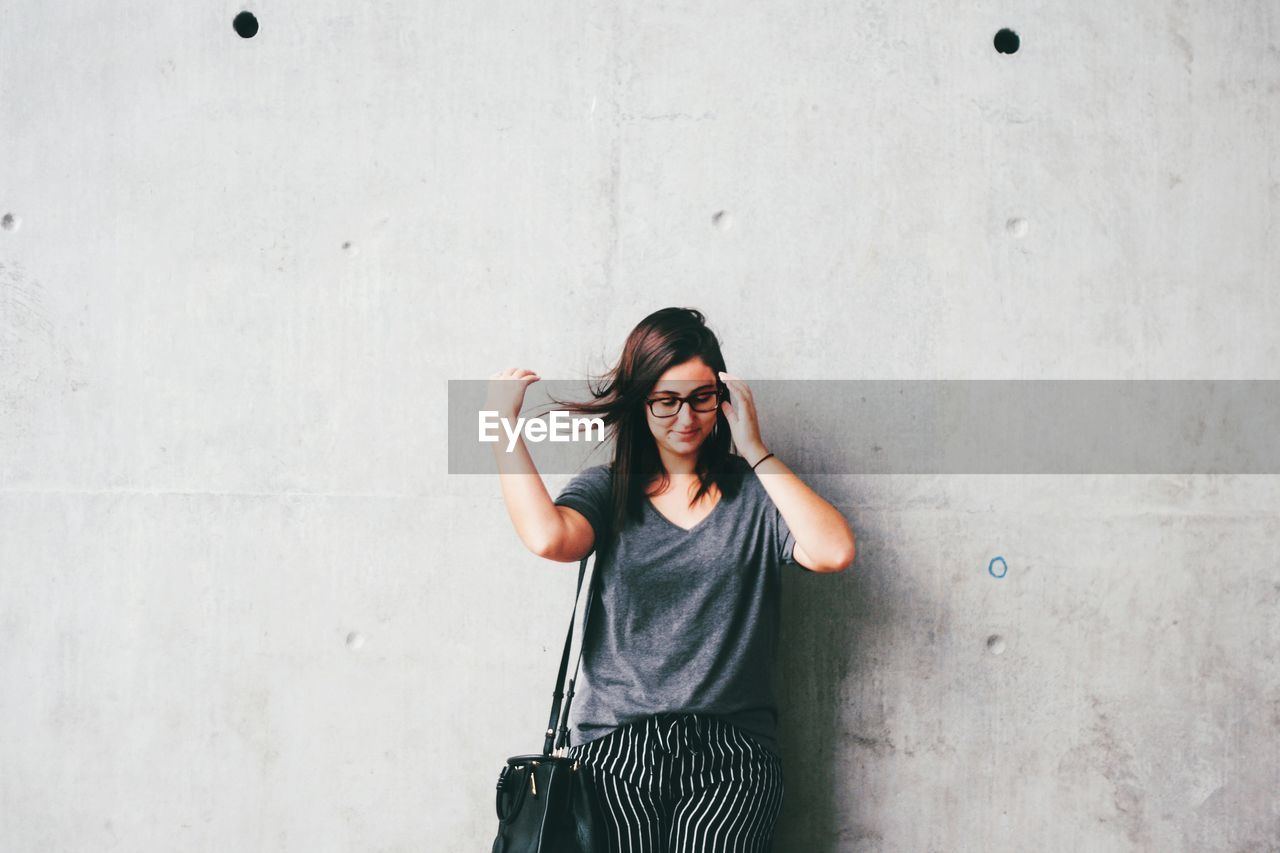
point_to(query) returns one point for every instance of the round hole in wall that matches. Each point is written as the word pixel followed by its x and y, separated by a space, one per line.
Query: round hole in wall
pixel 1006 41
pixel 245 25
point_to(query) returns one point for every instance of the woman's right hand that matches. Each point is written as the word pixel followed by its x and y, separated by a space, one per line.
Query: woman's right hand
pixel 506 391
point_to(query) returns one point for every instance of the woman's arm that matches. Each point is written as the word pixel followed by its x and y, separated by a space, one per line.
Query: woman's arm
pixel 824 540
pixel 557 533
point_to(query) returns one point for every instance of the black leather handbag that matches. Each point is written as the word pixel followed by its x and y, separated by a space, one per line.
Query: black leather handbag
pixel 547 802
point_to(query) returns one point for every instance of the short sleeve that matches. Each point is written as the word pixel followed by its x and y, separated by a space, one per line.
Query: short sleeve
pixel 589 493
pixel 786 542
pixel 777 532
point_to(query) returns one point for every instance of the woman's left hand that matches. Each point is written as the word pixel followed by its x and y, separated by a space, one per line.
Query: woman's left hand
pixel 743 422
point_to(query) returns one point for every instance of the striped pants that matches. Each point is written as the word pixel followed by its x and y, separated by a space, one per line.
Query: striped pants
pixel 685 783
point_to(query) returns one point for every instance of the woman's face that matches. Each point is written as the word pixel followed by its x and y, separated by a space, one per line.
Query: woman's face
pixel 684 432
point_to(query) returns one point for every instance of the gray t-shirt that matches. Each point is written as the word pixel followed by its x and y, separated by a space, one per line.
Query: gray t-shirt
pixel 682 621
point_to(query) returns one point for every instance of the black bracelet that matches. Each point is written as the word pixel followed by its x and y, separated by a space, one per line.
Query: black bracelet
pixel 766 456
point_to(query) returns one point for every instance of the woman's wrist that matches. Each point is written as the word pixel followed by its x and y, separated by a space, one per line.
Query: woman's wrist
pixel 756 455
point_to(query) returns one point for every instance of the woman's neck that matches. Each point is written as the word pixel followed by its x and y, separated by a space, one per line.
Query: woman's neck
pixel 678 465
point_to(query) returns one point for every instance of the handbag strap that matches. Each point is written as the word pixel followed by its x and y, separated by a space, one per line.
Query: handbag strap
pixel 552 742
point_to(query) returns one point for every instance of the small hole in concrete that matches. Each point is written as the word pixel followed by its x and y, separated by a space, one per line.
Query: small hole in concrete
pixel 246 25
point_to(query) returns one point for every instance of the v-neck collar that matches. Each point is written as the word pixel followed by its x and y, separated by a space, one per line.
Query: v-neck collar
pixel 719 503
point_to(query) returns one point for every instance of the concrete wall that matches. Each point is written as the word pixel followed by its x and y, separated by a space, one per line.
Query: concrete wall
pixel 243 604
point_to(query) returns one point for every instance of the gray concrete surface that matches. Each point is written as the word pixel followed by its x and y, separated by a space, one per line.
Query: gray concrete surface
pixel 243 604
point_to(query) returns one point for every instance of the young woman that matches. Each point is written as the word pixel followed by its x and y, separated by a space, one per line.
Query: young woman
pixel 674 707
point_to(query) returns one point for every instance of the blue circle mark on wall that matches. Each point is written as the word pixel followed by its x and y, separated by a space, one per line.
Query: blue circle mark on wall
pixel 991 567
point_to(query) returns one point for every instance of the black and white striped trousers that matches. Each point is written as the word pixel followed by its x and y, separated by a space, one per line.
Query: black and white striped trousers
pixel 685 783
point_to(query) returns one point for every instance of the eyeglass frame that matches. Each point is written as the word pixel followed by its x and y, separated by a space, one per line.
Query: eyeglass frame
pixel 722 393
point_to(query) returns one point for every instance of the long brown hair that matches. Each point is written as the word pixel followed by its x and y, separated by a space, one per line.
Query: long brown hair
pixel 666 338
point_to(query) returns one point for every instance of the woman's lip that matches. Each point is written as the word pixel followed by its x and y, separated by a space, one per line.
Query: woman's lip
pixel 690 432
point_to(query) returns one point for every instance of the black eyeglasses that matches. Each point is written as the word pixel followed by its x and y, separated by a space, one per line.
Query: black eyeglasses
pixel 699 401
